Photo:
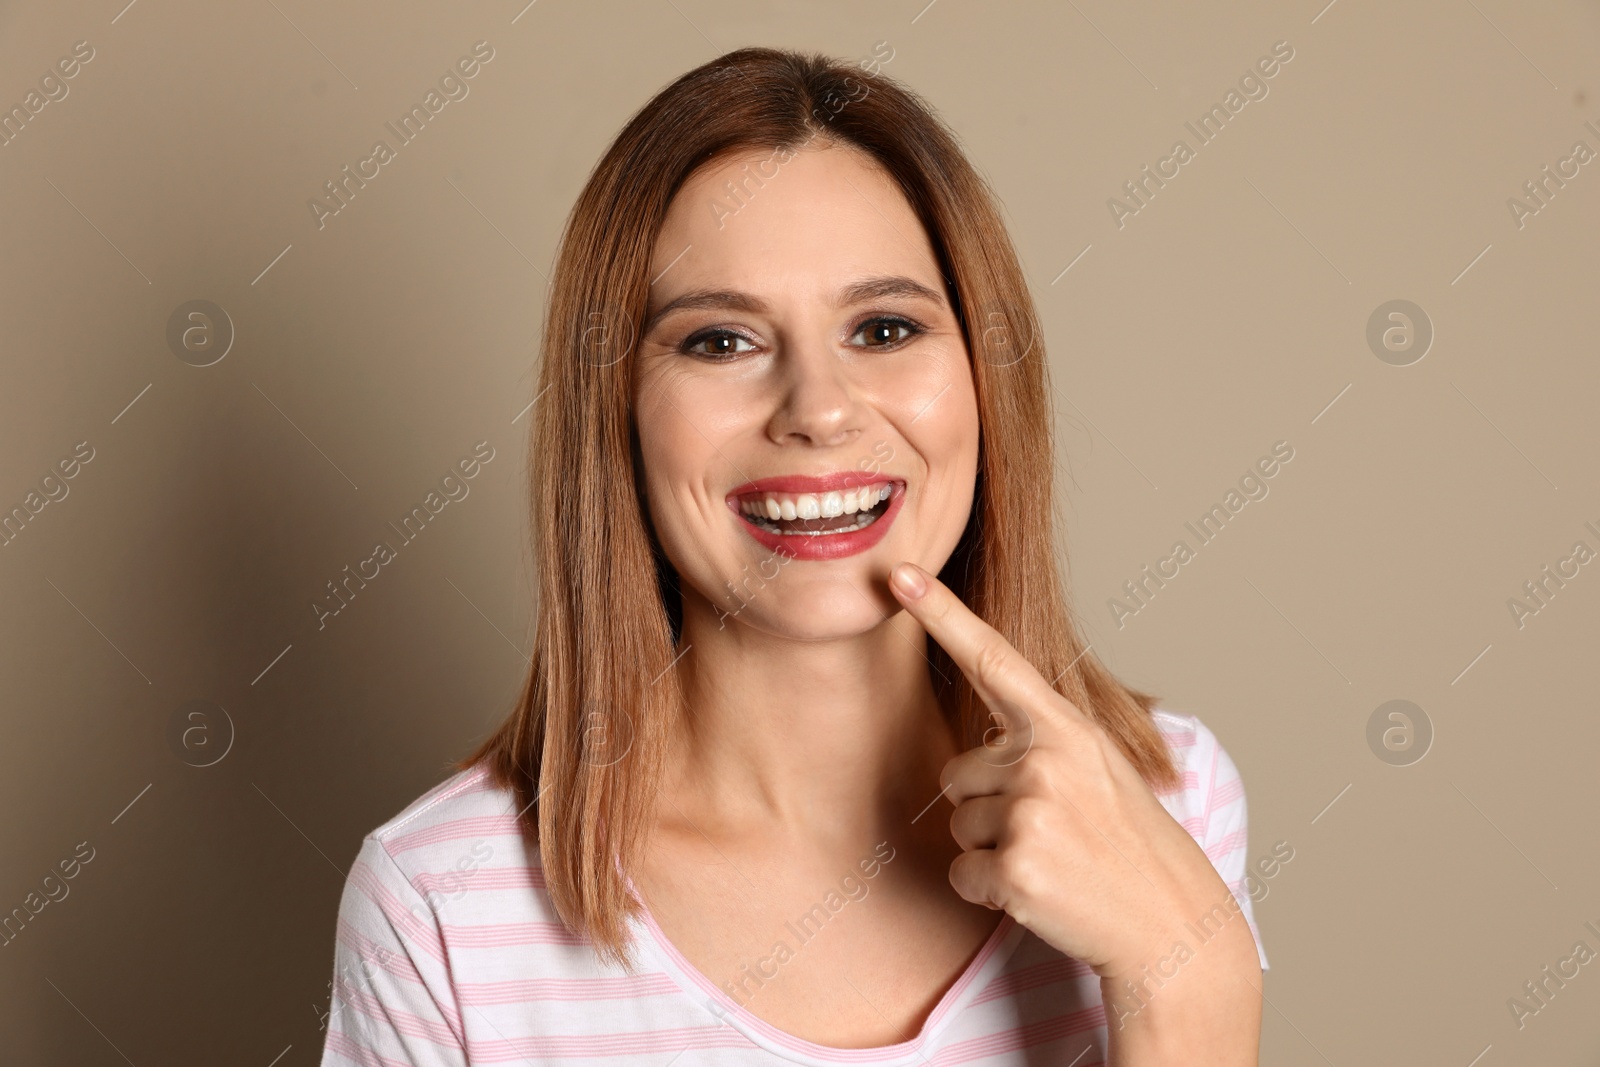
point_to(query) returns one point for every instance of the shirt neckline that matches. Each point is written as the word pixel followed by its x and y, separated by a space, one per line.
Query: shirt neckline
pixel 991 957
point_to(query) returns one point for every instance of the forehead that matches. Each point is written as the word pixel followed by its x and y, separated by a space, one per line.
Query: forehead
pixel 828 215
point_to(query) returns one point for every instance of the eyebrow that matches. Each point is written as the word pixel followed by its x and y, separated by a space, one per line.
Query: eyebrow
pixel 735 300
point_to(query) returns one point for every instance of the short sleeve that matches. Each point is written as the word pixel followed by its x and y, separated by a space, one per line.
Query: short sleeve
pixel 392 1002
pixel 1224 819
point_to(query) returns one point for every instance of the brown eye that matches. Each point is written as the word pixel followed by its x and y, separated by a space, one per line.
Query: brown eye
pixel 722 344
pixel 888 332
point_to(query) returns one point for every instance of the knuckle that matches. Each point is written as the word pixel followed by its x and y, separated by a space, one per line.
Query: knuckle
pixel 1087 732
pixel 1015 870
pixel 989 663
pixel 1105 746
pixel 1034 777
pixel 1032 817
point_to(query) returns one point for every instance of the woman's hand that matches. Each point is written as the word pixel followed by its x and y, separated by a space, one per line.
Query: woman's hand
pixel 1060 831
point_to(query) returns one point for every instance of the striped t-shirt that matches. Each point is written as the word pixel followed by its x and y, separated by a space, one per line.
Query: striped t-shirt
pixel 449 952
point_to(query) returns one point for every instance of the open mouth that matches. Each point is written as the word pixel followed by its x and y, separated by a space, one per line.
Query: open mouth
pixel 838 511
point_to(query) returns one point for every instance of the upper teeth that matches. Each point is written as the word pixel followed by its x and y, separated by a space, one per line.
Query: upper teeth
pixel 777 506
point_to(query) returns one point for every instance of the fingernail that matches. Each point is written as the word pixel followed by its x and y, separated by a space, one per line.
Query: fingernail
pixel 908 579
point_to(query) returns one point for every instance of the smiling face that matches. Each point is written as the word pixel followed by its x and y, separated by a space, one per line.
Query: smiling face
pixel 804 398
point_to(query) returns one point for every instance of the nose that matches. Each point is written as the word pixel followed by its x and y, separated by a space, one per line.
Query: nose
pixel 818 405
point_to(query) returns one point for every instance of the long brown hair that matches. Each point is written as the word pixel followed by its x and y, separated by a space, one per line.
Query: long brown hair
pixel 583 749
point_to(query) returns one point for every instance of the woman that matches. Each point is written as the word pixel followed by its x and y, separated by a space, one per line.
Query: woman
pixel 811 765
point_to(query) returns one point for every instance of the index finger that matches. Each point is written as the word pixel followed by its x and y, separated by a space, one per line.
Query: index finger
pixel 996 669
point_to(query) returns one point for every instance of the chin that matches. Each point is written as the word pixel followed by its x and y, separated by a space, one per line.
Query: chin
pixel 816 609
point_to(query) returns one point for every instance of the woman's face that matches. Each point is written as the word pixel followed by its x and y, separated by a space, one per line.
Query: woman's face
pixel 804 398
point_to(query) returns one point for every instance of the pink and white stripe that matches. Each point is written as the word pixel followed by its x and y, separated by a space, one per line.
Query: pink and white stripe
pixel 448 952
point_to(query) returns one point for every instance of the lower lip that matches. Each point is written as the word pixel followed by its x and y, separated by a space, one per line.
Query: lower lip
pixel 825 546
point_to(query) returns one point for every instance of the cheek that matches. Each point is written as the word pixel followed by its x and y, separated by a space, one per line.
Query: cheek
pixel 965 426
pixel 946 437
pixel 670 449
pixel 940 414
pixel 932 385
pixel 683 450
pixel 680 413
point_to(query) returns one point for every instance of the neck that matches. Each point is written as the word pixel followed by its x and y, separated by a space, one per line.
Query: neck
pixel 837 740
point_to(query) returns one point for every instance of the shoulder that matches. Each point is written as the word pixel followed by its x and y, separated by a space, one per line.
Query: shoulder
pixel 465 795
pixel 1210 803
pixel 1212 790
pixel 457 831
pixel 1194 747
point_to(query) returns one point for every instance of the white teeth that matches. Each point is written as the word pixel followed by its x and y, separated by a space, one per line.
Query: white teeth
pixel 826 505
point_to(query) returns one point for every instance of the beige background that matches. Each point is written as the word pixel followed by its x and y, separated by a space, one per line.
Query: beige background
pixel 1228 314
